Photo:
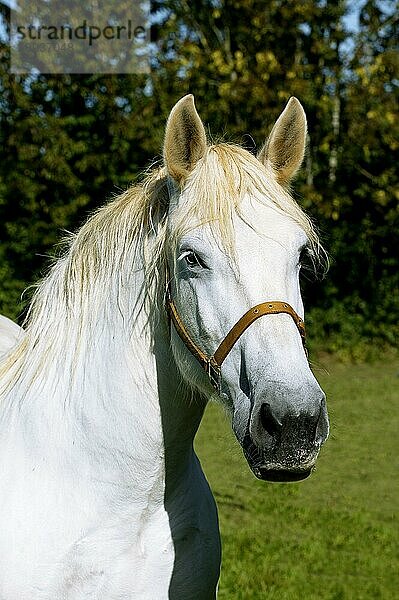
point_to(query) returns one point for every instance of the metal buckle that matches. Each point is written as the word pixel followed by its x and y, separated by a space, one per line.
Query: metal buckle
pixel 214 375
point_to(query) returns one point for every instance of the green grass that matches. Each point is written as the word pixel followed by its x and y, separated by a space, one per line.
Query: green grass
pixel 333 536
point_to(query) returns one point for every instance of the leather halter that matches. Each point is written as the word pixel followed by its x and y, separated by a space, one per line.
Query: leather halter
pixel 212 364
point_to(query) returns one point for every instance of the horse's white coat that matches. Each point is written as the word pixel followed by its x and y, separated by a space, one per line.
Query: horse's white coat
pixel 10 334
pixel 102 496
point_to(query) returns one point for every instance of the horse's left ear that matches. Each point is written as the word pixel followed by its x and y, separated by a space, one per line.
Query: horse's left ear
pixel 285 148
pixel 185 139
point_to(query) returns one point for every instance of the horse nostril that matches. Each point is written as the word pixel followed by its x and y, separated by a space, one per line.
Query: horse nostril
pixel 269 422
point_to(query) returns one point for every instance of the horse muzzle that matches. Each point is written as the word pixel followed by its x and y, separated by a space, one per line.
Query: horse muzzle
pixel 284 447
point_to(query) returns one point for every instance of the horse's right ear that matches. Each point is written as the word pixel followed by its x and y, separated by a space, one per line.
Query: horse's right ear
pixel 185 139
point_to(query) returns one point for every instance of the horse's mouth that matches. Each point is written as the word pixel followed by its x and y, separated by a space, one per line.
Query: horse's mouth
pixel 281 475
pixel 280 465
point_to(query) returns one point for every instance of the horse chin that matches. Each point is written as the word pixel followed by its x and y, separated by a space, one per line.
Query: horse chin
pixel 281 475
pixel 282 469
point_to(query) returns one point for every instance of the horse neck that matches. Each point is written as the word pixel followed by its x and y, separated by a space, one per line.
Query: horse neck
pixel 118 406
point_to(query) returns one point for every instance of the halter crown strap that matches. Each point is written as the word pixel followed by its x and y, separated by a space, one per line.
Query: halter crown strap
pixel 212 364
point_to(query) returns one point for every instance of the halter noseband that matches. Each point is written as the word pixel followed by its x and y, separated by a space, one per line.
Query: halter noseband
pixel 212 364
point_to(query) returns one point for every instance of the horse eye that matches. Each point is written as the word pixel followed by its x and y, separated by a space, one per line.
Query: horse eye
pixel 192 260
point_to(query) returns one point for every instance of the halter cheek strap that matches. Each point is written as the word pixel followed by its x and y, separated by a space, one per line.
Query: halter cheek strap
pixel 212 364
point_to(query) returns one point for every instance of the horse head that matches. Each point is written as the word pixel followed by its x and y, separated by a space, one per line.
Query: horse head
pixel 237 241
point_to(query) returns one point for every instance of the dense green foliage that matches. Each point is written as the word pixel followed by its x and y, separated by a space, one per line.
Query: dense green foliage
pixel 69 142
pixel 333 536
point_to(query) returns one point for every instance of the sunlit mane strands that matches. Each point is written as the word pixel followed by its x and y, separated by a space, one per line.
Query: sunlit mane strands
pixel 93 278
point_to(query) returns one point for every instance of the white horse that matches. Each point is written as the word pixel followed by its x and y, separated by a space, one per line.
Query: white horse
pixel 102 496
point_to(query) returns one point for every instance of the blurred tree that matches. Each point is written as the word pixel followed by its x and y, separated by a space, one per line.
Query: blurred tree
pixel 243 59
pixel 366 203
